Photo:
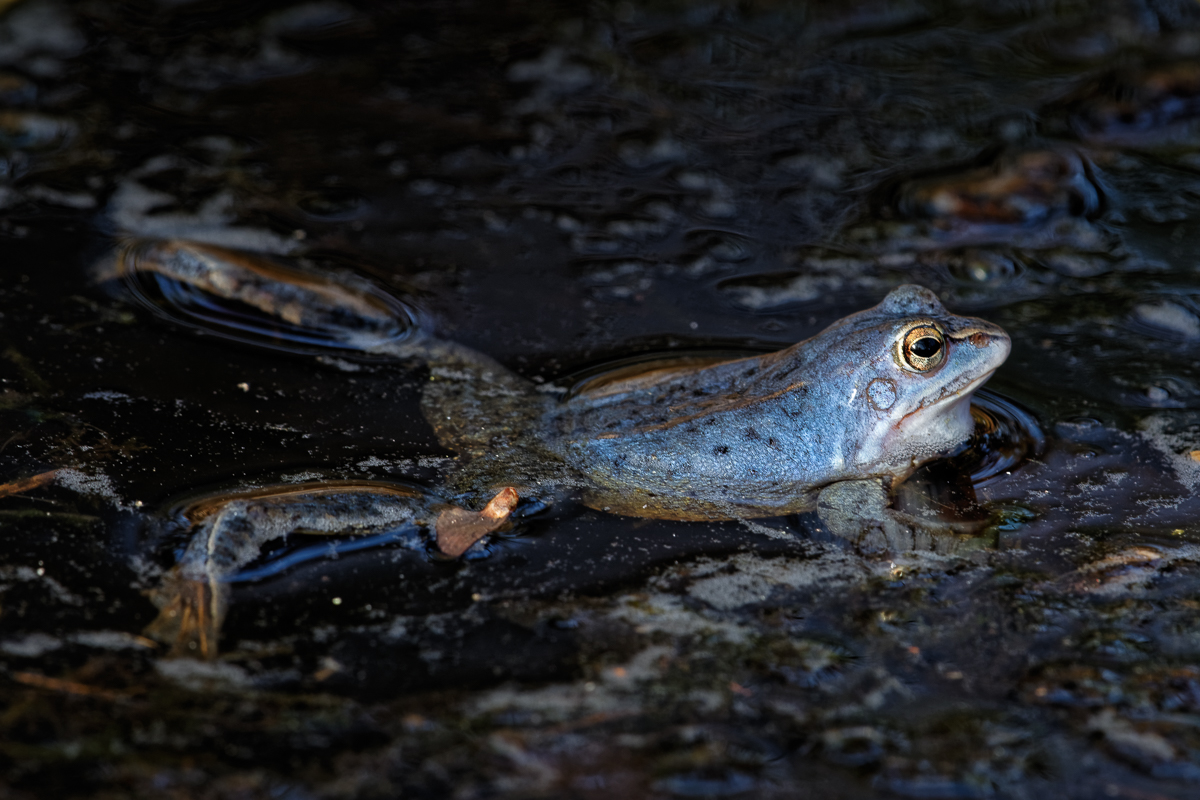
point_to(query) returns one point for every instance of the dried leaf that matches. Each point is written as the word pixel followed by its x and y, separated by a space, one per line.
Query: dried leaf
pixel 458 529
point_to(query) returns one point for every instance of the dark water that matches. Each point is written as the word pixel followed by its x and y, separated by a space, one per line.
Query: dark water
pixel 571 189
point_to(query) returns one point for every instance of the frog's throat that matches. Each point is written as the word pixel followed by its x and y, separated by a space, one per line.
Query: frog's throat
pixel 952 394
pixel 935 427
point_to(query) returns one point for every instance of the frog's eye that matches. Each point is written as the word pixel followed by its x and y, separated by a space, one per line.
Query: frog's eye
pixel 923 348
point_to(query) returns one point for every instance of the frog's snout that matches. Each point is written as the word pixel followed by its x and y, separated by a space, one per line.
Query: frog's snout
pixel 985 336
pixel 978 349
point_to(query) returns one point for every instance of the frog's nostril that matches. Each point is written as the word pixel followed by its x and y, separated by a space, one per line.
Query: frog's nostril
pixel 979 339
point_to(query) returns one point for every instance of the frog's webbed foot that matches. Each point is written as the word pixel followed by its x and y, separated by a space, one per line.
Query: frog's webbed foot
pixel 190 615
pixel 859 512
pixel 458 528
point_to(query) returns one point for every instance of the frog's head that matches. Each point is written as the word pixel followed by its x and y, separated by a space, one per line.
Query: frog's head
pixel 914 368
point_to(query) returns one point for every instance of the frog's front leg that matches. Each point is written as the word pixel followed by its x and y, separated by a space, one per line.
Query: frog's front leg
pixel 860 512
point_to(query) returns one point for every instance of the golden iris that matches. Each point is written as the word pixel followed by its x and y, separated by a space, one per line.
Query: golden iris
pixel 923 348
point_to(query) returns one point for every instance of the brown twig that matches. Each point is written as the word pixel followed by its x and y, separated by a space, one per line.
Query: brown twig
pixel 25 484
pixel 65 686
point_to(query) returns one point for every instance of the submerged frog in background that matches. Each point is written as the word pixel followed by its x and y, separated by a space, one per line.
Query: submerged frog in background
pixel 871 398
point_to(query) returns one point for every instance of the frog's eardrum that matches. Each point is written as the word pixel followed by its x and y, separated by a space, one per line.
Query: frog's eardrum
pixel 251 299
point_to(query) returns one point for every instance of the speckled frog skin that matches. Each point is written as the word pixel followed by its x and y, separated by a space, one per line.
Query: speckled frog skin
pixel 875 395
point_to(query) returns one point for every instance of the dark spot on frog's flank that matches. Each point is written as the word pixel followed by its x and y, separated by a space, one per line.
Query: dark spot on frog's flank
pixel 772 442
pixel 720 450
pixel 752 435
pixel 710 421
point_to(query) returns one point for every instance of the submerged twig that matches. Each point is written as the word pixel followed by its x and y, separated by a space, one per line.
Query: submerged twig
pixel 25 484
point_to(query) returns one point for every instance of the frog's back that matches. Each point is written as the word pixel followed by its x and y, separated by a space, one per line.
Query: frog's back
pixel 658 397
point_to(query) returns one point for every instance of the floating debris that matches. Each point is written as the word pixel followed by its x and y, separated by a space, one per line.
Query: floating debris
pixel 982 268
pixel 777 290
pixel 964 276
pixel 458 529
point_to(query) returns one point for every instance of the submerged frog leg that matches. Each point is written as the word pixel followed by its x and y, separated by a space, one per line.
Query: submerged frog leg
pixel 493 418
pixel 473 402
pixel 858 511
pixel 255 299
pixel 194 596
pixel 190 615
pixel 476 406
pixel 458 529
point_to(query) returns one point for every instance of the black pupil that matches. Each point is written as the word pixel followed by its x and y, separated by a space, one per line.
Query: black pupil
pixel 926 347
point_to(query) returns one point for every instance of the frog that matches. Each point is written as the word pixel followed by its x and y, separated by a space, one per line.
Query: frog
pixel 873 396
pixel 862 404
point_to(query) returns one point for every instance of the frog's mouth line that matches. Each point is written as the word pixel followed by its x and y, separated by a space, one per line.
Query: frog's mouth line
pixel 949 391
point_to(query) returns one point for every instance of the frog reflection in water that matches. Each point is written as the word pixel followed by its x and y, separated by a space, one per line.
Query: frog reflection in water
pixel 871 398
